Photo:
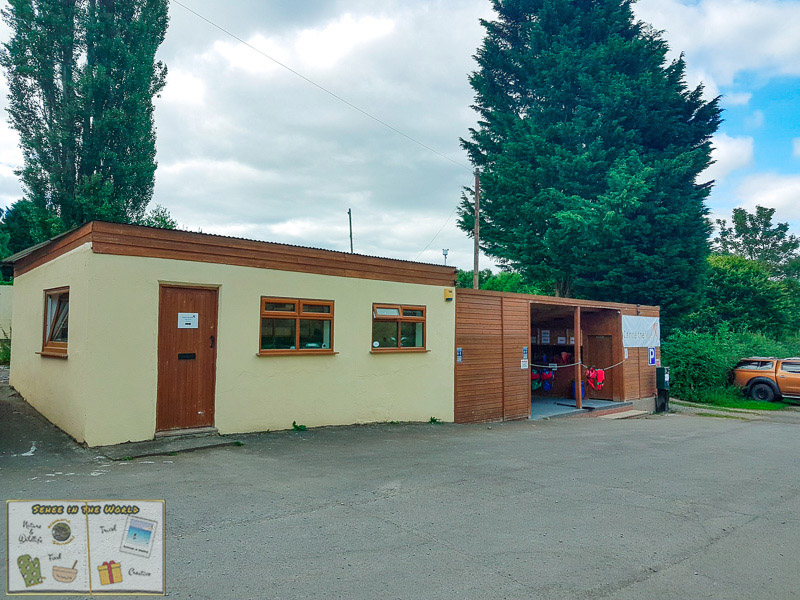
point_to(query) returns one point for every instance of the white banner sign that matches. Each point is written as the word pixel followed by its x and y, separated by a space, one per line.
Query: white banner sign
pixel 641 332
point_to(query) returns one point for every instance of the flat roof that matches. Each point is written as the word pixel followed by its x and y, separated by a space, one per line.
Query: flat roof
pixel 552 302
pixel 152 242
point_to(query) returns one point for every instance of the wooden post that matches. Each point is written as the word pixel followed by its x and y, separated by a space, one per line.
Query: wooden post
pixel 350 218
pixel 475 271
pixel 578 358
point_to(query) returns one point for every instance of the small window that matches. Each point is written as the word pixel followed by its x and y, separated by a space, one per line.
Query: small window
pixel 293 326
pixel 398 328
pixel 56 322
pixel 756 365
pixel 279 306
pixel 793 367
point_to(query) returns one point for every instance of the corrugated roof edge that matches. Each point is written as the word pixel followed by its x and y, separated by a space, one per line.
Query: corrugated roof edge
pixel 10 260
pixel 23 253
pixel 561 300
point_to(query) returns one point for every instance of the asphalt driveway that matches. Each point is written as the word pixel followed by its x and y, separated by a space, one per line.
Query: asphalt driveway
pixel 675 506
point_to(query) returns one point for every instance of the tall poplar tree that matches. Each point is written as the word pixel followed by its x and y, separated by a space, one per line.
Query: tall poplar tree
pixel 82 76
pixel 590 145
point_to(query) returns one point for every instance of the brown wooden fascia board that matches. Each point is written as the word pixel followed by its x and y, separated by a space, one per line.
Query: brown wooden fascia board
pixel 127 240
pixel 566 302
pixel 43 255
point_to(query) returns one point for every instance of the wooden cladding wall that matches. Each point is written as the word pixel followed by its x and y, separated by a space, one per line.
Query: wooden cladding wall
pixel 491 331
pixel 640 377
pixel 133 240
pixel 493 327
pixel 516 380
pixel 479 377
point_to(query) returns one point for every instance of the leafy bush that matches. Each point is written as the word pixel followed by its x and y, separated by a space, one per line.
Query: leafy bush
pixel 745 295
pixel 505 281
pixel 700 362
pixel 5 347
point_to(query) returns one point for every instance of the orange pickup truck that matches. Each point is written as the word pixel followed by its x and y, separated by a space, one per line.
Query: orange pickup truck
pixel 768 379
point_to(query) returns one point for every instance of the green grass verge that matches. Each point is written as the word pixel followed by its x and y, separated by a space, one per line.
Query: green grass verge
pixel 731 397
pixel 717 408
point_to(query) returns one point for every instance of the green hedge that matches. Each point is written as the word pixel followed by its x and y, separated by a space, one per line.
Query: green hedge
pixel 700 363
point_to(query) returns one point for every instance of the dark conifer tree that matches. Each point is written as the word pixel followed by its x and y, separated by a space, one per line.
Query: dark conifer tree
pixel 591 143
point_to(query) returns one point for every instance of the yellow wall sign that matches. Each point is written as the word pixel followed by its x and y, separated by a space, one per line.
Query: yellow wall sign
pixel 94 547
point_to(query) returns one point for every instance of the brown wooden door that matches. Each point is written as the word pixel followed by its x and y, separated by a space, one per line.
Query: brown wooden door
pixel 187 357
pixel 600 354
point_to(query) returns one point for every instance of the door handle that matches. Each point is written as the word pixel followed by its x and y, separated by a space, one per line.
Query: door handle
pixel 213 339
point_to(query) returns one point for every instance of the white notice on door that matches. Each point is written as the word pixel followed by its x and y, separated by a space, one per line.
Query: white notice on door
pixel 187 320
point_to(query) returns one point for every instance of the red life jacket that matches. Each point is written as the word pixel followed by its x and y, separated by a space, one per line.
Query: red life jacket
pixel 596 378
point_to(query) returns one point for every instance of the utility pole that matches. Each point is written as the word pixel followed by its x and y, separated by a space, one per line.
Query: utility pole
pixel 350 218
pixel 475 271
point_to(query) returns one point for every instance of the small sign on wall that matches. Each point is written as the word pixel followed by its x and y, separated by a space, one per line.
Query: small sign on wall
pixel 523 364
pixel 459 355
pixel 187 320
pixel 524 353
pixel 651 357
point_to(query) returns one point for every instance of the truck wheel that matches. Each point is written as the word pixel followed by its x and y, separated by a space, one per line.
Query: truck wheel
pixel 762 392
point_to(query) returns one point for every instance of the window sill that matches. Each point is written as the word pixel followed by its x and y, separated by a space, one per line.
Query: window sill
pixel 398 350
pixel 51 354
pixel 297 353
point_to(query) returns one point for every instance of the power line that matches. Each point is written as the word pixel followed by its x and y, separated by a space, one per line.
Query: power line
pixel 322 88
pixel 450 216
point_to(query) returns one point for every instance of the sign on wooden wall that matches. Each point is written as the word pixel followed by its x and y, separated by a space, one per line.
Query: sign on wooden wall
pixel 641 332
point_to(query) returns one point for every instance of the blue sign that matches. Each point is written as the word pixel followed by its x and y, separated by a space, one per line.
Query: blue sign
pixel 459 355
pixel 651 357
pixel 524 353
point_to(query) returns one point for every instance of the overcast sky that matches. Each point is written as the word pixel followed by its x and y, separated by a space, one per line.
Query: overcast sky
pixel 246 148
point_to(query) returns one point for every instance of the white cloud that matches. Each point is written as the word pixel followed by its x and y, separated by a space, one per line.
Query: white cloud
pixel 310 48
pixel 183 88
pixel 729 154
pixel 737 99
pixel 729 37
pixel 284 161
pixel 240 56
pixel 781 192
pixel 323 48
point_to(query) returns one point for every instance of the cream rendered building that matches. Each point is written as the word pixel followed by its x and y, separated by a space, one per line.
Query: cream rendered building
pixel 122 332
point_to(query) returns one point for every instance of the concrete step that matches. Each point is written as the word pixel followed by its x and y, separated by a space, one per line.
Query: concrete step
pixel 164 445
pixel 625 414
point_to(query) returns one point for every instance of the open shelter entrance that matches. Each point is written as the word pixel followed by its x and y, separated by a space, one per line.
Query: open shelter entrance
pixel 506 342
pixel 566 341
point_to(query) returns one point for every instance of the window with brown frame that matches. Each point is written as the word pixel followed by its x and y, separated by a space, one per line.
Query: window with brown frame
pixel 56 322
pixel 296 326
pixel 398 328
